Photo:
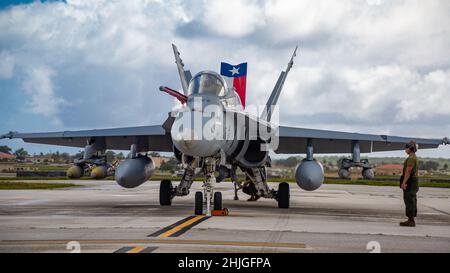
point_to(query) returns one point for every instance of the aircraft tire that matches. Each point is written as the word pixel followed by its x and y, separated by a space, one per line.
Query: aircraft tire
pixel 198 207
pixel 165 191
pixel 217 200
pixel 283 195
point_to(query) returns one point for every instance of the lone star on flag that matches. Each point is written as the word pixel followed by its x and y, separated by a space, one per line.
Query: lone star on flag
pixel 235 70
pixel 236 76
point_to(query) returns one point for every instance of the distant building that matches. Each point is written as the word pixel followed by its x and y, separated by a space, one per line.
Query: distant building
pixel 7 167
pixel 389 169
pixel 39 159
pixel 6 157
pixel 275 173
pixel 158 160
pixel 25 168
pixel 13 167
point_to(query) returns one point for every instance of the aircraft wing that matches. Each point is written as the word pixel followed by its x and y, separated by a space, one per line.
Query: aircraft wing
pixel 149 138
pixel 294 140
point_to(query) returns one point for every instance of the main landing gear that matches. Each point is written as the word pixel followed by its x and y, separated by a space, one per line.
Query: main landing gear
pixel 255 185
pixel 167 192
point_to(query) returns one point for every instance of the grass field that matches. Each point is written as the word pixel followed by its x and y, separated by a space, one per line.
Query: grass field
pixel 8 185
pixel 31 178
pixel 385 183
pixel 45 167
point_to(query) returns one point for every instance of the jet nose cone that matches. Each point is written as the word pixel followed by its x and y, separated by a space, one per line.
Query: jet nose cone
pixel 192 143
pixel 202 148
pixel 198 133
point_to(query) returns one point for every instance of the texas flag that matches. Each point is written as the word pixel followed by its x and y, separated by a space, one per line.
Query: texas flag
pixel 236 76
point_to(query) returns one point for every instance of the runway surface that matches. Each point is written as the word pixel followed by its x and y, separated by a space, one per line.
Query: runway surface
pixel 103 217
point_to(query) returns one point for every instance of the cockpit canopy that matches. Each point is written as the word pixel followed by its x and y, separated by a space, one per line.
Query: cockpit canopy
pixel 207 82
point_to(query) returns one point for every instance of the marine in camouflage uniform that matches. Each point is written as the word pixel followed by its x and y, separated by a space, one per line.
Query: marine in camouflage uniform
pixel 410 184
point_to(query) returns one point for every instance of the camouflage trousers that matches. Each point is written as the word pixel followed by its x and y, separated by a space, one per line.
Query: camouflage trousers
pixel 410 198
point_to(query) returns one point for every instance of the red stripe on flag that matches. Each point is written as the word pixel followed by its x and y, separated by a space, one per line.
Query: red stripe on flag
pixel 240 84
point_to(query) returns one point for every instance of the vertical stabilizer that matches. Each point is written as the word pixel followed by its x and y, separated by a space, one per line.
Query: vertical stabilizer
pixel 273 99
pixel 185 75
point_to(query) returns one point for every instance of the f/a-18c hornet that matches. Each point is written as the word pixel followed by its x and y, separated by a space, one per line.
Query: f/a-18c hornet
pixel 212 135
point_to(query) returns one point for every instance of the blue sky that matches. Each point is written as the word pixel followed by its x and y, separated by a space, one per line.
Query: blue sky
pixel 372 66
pixel 9 3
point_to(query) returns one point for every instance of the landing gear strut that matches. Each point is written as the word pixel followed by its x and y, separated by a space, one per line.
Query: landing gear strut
pixel 167 192
pixel 236 183
pixel 198 207
pixel 256 186
pixel 209 183
pixel 208 195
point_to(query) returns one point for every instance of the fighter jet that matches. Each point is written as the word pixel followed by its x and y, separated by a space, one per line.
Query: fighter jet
pixel 213 136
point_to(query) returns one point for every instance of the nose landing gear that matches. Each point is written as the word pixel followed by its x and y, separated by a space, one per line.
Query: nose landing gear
pixel 167 192
pixel 198 207
pixel 208 189
pixel 217 203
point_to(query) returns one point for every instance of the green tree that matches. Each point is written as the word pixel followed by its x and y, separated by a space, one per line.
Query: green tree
pixel 169 165
pixel 428 165
pixel 65 157
pixel 120 156
pixel 433 165
pixel 288 162
pixel 445 166
pixel 421 165
pixel 55 156
pixel 110 156
pixel 78 155
pixel 5 149
pixel 21 153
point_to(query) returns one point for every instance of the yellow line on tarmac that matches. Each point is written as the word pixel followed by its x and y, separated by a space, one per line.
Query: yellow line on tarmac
pixel 136 249
pixel 181 226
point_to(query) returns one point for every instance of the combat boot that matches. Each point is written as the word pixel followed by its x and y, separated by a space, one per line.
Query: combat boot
pixel 409 223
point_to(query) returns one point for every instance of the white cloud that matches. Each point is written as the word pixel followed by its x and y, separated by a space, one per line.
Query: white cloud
pixel 389 94
pixel 413 33
pixel 290 18
pixel 41 98
pixel 232 18
pixel 357 61
pixel 430 95
pixel 7 63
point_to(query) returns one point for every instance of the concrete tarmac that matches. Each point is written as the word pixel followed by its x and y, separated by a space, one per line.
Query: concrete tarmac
pixel 103 217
